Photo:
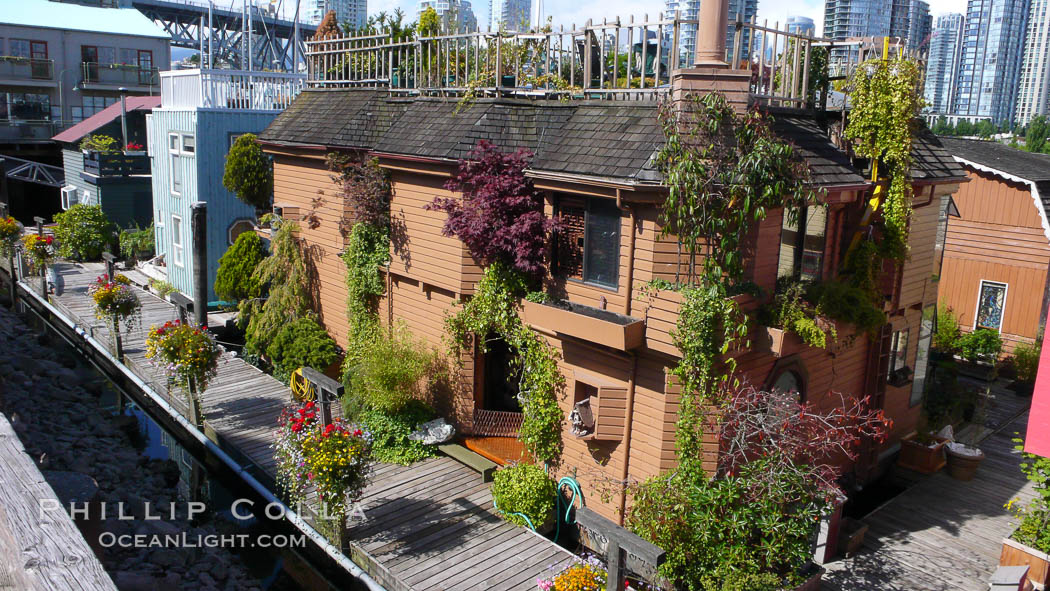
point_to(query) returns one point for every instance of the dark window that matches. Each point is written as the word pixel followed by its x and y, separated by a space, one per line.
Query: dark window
pixel 802 243
pixel 588 247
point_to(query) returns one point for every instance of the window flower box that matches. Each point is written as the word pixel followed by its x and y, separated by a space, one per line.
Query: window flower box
pixel 1017 554
pixel 921 457
pixel 584 322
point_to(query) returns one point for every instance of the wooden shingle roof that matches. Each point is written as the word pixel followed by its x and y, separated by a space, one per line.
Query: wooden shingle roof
pixel 614 140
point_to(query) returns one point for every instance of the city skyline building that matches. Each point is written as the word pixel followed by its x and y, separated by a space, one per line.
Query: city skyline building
pixel 942 66
pixel 511 15
pixel 456 15
pixel 990 65
pixel 1033 90
pixel 801 24
pixel 352 12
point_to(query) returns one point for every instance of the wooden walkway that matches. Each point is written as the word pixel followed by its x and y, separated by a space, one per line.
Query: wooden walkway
pixel 428 526
pixel 39 549
pixel 943 534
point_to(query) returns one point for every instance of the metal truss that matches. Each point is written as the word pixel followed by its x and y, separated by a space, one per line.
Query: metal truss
pixel 32 172
pixel 272 38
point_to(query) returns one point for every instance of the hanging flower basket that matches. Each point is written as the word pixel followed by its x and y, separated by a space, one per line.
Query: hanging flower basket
pixel 41 250
pixel 10 232
pixel 334 459
pixel 116 302
pixel 188 354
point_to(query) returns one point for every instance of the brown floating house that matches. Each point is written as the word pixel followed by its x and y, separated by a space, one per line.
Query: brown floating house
pixel 593 162
pixel 997 248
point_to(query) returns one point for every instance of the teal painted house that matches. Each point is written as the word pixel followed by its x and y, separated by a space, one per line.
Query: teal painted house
pixel 202 112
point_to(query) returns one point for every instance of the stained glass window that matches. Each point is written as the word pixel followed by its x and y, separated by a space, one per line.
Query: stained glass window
pixel 990 304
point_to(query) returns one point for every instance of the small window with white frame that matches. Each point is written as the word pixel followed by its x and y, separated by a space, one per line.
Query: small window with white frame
pixel 991 304
pixel 175 161
pixel 176 241
pixel 189 144
pixel 69 197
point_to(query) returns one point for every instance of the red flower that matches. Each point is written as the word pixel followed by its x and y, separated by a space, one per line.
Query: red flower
pixel 358 433
pixel 49 240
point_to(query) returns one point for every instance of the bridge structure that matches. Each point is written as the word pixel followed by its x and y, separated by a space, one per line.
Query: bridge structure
pixel 31 171
pixel 229 31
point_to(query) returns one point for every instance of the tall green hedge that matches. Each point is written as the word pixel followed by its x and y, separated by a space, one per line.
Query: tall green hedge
pixel 235 280
pixel 249 173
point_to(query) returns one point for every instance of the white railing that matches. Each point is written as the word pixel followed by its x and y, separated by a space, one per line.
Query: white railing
pixel 229 89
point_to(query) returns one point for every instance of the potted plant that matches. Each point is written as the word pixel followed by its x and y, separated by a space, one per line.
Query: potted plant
pixel 789 312
pixel 524 495
pixel 964 457
pixel 10 233
pixel 1026 364
pixel 100 143
pixel 134 149
pixel 40 250
pixel 1029 544
pixel 981 349
pixel 116 302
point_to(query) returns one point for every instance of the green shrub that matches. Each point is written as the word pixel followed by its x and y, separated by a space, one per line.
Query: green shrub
pixel 980 345
pixel 525 489
pixel 83 232
pixel 390 442
pixel 1034 527
pixel 303 342
pixel 947 333
pixel 389 372
pixel 249 173
pixel 726 528
pixel 235 280
pixel 134 242
pixel 1026 361
pixel 163 288
pixel 744 582
pixel 790 311
pixel 103 144
pixel 847 303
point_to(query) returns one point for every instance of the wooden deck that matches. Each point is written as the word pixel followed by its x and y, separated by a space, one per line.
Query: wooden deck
pixel 428 526
pixel 39 550
pixel 943 534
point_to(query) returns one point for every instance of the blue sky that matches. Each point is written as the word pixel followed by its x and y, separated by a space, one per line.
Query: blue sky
pixel 578 11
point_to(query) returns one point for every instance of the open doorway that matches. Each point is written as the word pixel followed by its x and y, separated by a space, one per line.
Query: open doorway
pixel 501 380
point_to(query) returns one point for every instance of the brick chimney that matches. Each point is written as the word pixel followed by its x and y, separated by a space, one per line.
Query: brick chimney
pixel 710 72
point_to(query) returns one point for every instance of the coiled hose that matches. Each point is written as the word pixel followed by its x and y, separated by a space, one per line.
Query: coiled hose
pixel 559 500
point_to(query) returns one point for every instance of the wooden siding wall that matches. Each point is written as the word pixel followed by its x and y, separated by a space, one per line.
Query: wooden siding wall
pixel 73 165
pixel 298 182
pixel 998 237
pixel 166 203
pixel 426 254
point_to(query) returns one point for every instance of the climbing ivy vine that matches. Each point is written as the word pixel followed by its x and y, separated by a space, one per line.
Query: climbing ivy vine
pixel 882 123
pixel 492 312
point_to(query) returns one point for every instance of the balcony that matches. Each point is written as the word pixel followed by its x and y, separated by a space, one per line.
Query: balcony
pixel 229 89
pixel 116 165
pixel 23 68
pixel 28 131
pixel 117 75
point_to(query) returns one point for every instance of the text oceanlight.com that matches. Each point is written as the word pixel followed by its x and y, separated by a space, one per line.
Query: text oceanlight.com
pixel 184 540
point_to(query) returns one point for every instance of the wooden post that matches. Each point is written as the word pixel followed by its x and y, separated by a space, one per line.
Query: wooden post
pixel 13 276
pixel 643 554
pixel 199 228
pixel 183 304
pixel 110 265
pixel 195 406
pixel 118 345
pixel 328 390
pixel 43 268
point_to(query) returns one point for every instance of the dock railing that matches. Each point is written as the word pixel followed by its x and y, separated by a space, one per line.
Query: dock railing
pixel 622 59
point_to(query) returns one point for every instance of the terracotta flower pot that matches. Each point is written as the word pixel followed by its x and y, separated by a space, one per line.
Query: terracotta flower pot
pixel 963 466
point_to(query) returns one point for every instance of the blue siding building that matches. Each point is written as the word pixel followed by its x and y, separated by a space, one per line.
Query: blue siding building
pixel 202 112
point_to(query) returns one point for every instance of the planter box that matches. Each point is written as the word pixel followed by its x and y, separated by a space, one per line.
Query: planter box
pixel 1017 554
pixel 584 322
pixel 920 458
pixel 772 340
pixel 812 583
pixel 851 537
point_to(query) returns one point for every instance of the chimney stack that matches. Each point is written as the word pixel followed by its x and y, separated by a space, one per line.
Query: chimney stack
pixel 711 34
pixel 710 72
